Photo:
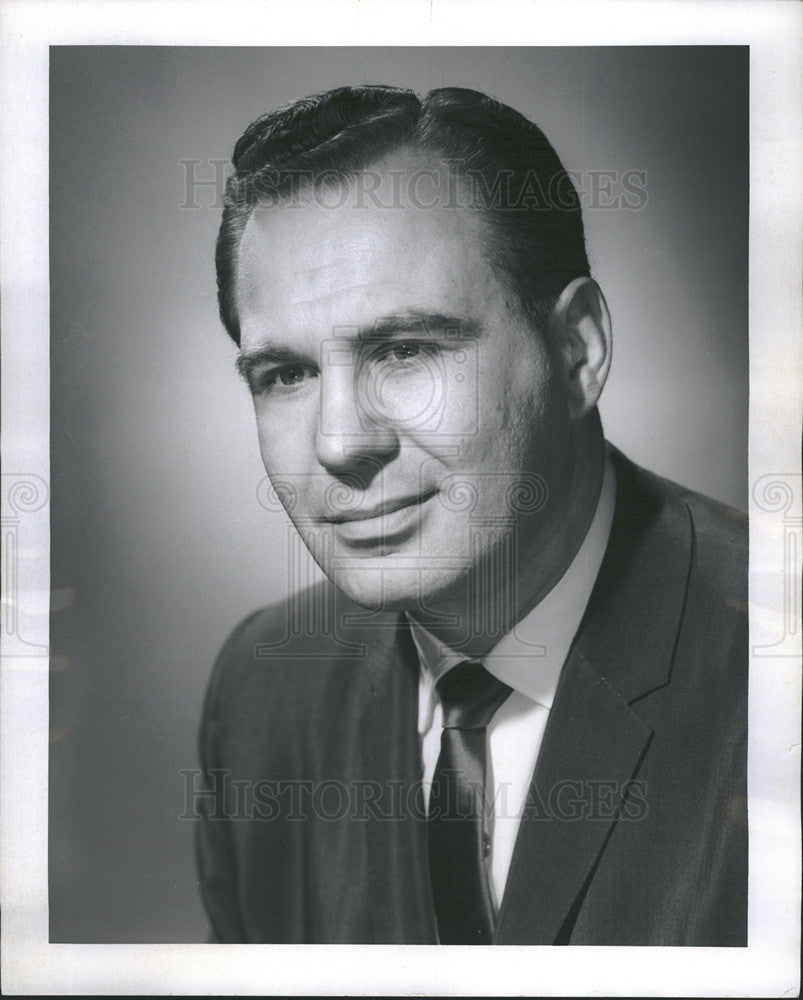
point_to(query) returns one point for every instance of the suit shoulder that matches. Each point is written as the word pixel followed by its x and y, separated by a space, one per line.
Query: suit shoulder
pixel 266 629
pixel 718 529
pixel 701 555
pixel 714 535
pixel 719 524
pixel 304 644
pixel 720 547
pixel 301 618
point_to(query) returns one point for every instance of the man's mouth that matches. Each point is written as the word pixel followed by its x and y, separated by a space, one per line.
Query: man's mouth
pixel 381 521
pixel 379 510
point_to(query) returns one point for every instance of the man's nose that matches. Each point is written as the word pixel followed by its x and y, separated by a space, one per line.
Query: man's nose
pixel 348 434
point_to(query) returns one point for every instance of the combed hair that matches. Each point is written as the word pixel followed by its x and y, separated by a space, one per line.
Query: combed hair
pixel 517 182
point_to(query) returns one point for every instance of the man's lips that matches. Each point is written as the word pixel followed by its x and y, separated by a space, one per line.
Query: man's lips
pixel 380 510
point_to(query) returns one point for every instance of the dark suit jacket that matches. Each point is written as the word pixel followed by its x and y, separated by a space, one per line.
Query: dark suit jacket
pixel 636 827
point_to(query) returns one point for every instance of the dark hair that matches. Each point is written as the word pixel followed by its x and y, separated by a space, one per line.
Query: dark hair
pixel 516 179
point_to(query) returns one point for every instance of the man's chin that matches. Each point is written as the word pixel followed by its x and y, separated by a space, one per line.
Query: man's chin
pixel 386 589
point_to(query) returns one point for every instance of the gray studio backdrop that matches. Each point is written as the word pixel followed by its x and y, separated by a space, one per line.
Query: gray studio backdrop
pixel 159 541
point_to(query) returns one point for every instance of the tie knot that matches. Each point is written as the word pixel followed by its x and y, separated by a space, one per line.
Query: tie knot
pixel 470 696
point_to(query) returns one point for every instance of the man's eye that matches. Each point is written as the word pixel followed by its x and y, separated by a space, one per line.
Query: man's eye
pixel 288 376
pixel 404 350
pixel 291 375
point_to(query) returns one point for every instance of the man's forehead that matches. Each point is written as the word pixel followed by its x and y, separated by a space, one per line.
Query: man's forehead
pixel 314 240
pixel 300 257
pixel 308 249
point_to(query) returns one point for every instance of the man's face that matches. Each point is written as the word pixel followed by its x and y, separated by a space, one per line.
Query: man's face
pixel 412 424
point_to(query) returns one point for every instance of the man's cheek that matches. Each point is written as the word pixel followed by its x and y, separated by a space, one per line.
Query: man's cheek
pixel 283 458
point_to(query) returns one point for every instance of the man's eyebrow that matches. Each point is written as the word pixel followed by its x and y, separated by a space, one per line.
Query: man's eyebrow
pixel 416 322
pixel 412 322
pixel 265 354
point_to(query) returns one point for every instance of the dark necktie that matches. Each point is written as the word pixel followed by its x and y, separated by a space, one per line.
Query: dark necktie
pixel 457 851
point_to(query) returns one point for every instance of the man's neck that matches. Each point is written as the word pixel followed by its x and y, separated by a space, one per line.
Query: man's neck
pixel 493 600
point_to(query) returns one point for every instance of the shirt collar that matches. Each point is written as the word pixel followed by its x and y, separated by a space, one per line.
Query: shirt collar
pixel 531 656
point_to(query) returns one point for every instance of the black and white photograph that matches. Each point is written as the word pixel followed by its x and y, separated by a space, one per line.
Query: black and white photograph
pixel 402 510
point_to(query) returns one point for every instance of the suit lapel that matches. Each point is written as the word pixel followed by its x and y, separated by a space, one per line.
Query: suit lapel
pixel 402 911
pixel 623 651
pixel 593 741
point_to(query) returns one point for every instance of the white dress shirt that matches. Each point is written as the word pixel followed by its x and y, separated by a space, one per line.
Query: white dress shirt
pixel 529 659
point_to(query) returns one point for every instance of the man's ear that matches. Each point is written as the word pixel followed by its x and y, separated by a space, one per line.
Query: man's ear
pixel 580 327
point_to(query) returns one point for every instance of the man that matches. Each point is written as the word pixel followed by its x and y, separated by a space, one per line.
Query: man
pixel 519 715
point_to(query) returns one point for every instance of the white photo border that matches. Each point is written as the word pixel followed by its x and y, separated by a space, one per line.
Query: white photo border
pixel 769 966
